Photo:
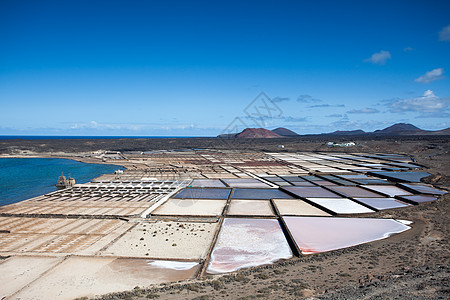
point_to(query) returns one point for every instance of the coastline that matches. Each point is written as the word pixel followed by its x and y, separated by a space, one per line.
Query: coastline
pixel 42 189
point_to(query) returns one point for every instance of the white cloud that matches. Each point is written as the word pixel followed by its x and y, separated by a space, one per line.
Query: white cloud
pixel 430 76
pixel 364 111
pixel 428 103
pixel 280 99
pixel 408 49
pixel 307 99
pixel 444 34
pixel 379 58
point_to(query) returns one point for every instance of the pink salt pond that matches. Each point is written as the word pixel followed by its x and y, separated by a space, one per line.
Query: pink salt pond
pixel 244 243
pixel 319 234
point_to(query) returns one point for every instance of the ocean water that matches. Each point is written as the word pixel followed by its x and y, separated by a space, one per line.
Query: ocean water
pixel 24 178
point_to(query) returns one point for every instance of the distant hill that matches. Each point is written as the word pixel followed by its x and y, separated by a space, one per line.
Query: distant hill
pixel 441 132
pixel 396 129
pixel 252 133
pixel 350 132
pixel 284 132
pixel 257 133
pixel 401 129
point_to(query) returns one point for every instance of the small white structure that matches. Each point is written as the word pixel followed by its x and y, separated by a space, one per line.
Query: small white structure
pixel 348 144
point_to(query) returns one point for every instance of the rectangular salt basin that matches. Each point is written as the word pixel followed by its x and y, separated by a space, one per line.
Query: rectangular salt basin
pixel 203 193
pixel 382 203
pixel 424 189
pixel 191 207
pixel 207 183
pixel 259 194
pixel 293 207
pixel 250 208
pixel 419 198
pixel 354 191
pixel 318 234
pixel 341 206
pixel 402 176
pixel 306 192
pixel 166 240
pixel 84 277
pixel 245 183
pixel 389 190
pixel 245 243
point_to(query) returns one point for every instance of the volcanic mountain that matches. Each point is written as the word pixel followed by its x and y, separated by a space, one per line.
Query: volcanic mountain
pixel 349 132
pixel 401 129
pixel 257 133
pixel 252 133
pixel 284 132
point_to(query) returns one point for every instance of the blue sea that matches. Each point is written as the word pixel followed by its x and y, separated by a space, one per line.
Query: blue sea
pixel 24 178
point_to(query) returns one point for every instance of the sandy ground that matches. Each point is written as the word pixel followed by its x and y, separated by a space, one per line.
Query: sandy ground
pixel 80 276
pixel 181 240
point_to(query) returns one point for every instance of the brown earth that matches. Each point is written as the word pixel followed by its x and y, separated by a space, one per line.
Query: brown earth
pixel 410 265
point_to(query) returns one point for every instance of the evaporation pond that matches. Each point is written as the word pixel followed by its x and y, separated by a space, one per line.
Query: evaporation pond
pixel 419 198
pixel 207 183
pixel 311 192
pixel 341 206
pixel 245 183
pixel 203 193
pixel 318 234
pixel 382 203
pixel 402 176
pixel 259 194
pixel 424 189
pixel 353 191
pixel 389 190
pixel 191 207
pixel 244 243
pixel 297 208
pixel 250 208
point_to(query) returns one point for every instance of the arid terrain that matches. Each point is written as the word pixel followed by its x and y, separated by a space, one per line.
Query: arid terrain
pixel 410 265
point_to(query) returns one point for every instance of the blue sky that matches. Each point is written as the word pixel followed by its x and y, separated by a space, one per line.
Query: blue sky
pixel 190 68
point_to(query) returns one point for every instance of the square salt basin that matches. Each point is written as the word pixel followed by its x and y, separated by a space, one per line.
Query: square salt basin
pixel 423 189
pixel 166 240
pixel 191 207
pixel 402 176
pixel 79 277
pixel 250 208
pixel 245 183
pixel 294 207
pixel 306 192
pixel 418 198
pixel 245 243
pixel 257 194
pixel 303 183
pixel 383 203
pixel 341 206
pixel 318 234
pixel 389 190
pixel 353 191
pixel 207 183
pixel 203 193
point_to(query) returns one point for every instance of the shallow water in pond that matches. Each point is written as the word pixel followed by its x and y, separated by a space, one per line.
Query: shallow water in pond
pixel 244 243
pixel 320 234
